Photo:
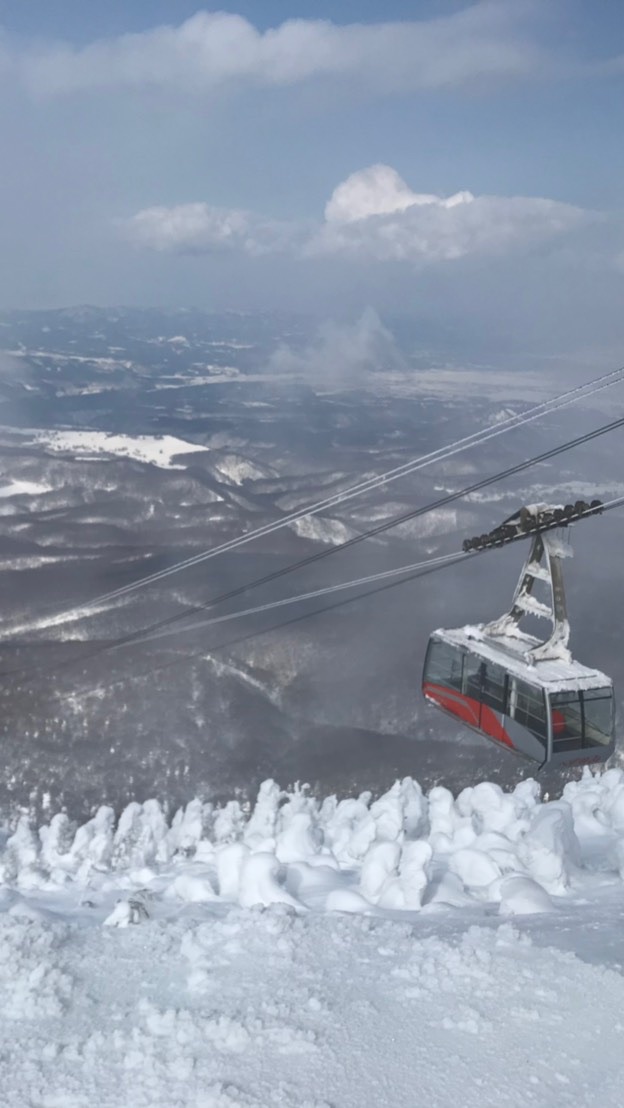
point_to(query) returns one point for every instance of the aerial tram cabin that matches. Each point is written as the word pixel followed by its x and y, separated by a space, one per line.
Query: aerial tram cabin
pixel 526 694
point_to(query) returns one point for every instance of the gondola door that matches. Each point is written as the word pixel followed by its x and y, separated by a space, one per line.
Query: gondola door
pixel 472 686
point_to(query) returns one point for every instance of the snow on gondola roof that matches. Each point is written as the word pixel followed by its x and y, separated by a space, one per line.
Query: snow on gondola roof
pixel 553 675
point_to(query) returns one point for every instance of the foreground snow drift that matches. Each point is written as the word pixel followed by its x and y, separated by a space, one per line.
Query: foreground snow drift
pixel 319 954
pixel 252 1009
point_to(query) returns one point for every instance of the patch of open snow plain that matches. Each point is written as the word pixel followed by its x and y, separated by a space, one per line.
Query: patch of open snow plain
pixel 23 488
pixel 420 948
pixel 157 450
pixel 452 382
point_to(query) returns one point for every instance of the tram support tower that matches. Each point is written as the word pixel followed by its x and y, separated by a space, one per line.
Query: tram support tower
pixel 544 564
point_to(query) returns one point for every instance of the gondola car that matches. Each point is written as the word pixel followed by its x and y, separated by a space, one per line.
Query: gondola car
pixel 526 694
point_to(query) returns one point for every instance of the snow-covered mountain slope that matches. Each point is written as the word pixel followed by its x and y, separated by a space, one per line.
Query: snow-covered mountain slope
pixel 418 949
pixel 117 463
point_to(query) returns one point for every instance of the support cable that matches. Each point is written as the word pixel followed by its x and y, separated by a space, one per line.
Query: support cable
pixel 372 532
pixel 563 400
pixel 416 571
pixel 139 635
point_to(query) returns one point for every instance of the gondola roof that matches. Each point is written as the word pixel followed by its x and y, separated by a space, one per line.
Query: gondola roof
pixel 553 675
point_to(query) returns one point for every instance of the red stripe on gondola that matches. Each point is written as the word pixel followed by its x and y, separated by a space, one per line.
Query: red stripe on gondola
pixel 478 716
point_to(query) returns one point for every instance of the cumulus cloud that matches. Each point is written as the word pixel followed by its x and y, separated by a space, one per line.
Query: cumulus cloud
pixel 375 215
pixel 487 39
pixel 379 190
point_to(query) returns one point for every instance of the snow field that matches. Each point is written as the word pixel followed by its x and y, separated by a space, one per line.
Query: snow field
pixel 350 953
pixel 23 488
pixel 157 450
pixel 250 1008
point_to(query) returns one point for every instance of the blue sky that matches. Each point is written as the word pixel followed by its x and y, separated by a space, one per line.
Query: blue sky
pixel 77 21
pixel 195 164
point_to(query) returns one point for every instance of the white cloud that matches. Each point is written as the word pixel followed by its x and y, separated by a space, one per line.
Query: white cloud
pixel 379 190
pixel 486 39
pixel 201 228
pixel 375 215
pixel 189 228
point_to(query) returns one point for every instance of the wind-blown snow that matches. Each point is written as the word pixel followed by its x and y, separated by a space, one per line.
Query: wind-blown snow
pixel 157 450
pixel 312 953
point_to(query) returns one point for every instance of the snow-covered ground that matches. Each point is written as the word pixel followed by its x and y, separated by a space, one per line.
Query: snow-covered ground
pixel 236 469
pixel 416 949
pixel 23 488
pixel 158 450
pixel 462 381
pixel 330 531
